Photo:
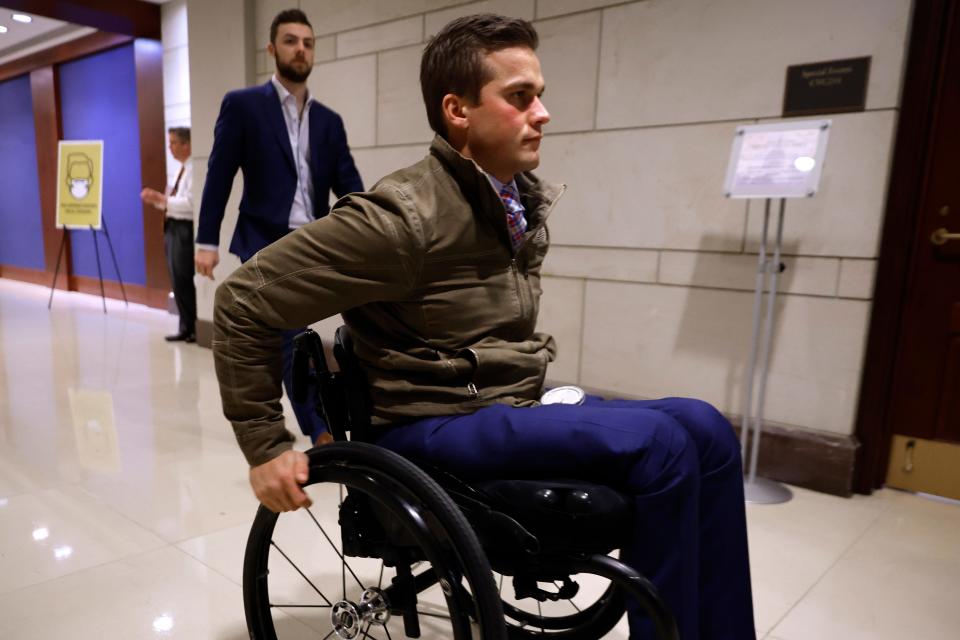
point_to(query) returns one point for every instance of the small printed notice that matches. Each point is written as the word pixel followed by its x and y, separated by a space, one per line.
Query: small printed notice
pixel 780 160
pixel 79 184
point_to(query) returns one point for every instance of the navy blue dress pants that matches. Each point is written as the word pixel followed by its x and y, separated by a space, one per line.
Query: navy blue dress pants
pixel 680 460
pixel 311 424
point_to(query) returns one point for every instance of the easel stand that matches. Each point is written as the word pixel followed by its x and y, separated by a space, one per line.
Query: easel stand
pixel 762 490
pixel 96 252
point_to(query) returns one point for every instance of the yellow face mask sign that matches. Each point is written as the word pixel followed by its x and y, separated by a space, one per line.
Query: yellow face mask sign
pixel 79 184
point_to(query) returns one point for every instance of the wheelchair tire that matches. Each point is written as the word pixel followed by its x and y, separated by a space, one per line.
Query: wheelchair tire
pixel 589 622
pixel 455 597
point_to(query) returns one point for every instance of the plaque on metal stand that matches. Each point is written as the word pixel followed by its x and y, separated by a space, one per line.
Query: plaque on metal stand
pixel 772 162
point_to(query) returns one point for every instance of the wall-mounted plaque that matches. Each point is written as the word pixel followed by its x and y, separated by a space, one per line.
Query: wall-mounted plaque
pixel 777 160
pixel 837 86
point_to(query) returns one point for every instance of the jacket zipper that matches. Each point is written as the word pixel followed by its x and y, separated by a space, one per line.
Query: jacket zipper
pixel 471 387
pixel 516 278
pixel 513 261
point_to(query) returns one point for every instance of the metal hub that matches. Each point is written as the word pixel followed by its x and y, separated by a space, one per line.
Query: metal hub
pixel 350 620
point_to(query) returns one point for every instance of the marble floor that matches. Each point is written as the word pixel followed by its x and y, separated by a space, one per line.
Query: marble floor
pixel 124 504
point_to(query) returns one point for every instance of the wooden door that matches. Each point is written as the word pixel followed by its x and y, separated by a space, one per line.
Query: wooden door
pixel 924 413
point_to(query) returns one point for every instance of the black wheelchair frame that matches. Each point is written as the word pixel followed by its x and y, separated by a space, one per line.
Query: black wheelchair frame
pixel 439 533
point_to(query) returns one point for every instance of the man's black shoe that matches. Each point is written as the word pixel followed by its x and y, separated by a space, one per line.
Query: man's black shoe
pixel 181 337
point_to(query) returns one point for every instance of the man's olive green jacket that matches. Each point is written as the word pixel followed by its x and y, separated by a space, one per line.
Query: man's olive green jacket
pixel 442 313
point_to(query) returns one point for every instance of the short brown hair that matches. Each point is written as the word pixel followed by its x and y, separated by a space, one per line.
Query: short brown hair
pixel 287 16
pixel 453 62
pixel 182 133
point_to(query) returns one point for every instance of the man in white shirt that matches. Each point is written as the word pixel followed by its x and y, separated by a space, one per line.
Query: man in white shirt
pixel 177 203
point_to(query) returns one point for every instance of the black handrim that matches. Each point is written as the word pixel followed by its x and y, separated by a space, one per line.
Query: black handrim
pixel 443 549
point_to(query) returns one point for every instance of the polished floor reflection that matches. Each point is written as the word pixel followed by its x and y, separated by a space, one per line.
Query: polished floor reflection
pixel 124 504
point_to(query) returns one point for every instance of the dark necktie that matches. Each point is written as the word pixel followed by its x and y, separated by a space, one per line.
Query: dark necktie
pixel 176 184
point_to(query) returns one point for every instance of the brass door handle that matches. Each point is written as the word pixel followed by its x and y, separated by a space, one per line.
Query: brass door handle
pixel 941 236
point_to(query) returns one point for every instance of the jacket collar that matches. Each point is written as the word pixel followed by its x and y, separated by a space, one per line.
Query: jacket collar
pixel 538 196
pixel 283 94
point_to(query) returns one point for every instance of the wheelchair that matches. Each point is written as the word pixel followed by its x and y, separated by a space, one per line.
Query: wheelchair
pixel 392 549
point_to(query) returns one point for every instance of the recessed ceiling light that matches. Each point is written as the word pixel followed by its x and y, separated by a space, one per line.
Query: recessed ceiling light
pixel 3 29
pixel 62 552
pixel 21 17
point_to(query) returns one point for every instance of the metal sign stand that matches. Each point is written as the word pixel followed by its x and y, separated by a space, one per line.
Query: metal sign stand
pixel 96 251
pixel 762 490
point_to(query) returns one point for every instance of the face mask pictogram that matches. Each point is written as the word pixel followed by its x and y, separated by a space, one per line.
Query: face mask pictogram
pixel 79 175
pixel 79 188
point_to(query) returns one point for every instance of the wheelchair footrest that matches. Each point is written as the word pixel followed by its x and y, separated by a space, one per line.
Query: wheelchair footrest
pixel 526 587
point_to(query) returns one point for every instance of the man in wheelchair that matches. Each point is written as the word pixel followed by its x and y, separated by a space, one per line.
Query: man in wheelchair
pixel 436 272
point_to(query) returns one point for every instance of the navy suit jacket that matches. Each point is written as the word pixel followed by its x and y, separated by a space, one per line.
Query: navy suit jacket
pixel 251 135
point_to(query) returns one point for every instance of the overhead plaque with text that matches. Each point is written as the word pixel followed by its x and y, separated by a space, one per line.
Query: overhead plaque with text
pixel 778 160
pixel 835 86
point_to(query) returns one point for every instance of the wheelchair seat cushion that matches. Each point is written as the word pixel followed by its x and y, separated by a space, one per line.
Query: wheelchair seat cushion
pixel 567 515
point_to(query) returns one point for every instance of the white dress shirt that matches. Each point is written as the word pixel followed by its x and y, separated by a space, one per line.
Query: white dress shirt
pixel 298 130
pixel 180 204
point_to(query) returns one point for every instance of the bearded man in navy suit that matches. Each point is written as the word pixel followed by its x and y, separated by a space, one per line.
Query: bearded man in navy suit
pixel 292 151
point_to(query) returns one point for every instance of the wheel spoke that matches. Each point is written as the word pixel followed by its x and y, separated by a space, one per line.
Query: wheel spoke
pixel 432 615
pixel 337 551
pixel 302 575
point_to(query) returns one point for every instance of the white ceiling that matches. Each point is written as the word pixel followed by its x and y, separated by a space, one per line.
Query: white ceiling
pixel 18 32
pixel 23 39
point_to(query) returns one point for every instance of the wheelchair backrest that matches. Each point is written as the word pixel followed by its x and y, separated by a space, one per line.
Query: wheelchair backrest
pixel 342 397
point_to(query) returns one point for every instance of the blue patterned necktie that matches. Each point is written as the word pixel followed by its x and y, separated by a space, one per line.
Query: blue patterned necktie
pixel 516 223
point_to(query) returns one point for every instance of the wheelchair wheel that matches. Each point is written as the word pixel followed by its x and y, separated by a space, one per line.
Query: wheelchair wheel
pixel 589 615
pixel 383 553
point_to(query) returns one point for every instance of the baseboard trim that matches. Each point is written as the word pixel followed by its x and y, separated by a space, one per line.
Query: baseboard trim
pixel 807 458
pixel 32 276
pixel 155 298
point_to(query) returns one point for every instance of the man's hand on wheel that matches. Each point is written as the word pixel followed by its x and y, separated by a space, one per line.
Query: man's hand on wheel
pixel 277 482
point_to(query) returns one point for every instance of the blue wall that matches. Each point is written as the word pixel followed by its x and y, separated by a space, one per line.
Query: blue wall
pixel 21 227
pixel 98 100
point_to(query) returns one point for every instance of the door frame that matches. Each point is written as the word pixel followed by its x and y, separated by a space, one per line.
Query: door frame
pixel 911 158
